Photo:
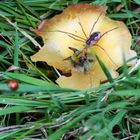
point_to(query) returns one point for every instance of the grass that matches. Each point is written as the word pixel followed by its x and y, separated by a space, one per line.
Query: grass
pixel 40 109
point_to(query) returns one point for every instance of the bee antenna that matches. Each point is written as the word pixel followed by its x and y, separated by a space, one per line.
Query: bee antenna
pixel 73 49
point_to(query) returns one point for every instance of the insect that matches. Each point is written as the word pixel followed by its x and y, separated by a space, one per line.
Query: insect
pixel 13 84
pixel 82 60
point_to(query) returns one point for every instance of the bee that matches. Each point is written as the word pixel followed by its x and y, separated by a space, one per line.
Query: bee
pixel 82 60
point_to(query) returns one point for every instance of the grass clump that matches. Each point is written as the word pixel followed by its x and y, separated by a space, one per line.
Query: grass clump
pixel 39 109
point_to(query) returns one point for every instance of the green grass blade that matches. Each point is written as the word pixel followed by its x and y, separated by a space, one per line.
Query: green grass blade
pixel 14 109
pixel 28 79
pixel 23 102
pixel 105 70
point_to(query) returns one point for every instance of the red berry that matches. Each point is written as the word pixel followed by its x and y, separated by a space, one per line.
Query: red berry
pixel 13 84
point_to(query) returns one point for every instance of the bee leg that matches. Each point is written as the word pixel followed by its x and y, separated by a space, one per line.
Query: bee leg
pixel 68 58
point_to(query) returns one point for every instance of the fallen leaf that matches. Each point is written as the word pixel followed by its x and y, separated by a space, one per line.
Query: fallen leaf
pixel 66 45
